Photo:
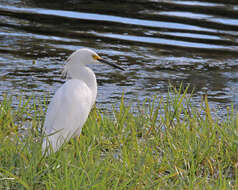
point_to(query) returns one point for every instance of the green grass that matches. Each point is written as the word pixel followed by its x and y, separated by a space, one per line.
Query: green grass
pixel 167 144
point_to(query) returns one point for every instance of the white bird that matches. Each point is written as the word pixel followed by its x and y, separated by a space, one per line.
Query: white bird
pixel 72 102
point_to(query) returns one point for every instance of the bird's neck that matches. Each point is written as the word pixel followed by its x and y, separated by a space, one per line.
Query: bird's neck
pixel 85 74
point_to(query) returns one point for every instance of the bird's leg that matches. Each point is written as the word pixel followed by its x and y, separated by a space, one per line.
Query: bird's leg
pixel 77 138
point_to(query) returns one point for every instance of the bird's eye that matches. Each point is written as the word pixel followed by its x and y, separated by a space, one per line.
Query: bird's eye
pixel 96 57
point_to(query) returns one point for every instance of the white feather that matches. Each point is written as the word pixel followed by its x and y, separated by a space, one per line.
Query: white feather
pixel 72 102
pixel 67 113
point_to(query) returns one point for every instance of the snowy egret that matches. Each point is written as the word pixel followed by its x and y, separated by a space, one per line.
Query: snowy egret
pixel 72 102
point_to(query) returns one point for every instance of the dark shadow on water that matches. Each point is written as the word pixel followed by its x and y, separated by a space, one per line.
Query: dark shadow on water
pixel 158 42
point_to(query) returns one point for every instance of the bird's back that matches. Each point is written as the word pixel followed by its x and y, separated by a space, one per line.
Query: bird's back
pixel 67 112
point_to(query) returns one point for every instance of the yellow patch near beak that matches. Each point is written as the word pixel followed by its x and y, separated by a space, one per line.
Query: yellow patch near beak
pixel 96 57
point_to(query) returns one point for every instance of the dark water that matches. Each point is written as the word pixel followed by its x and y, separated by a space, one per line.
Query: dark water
pixel 157 42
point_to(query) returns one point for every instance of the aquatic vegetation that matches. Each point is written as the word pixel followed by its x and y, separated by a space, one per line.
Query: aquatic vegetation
pixel 166 144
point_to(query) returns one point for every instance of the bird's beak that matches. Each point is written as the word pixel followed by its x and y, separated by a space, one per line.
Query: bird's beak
pixel 109 63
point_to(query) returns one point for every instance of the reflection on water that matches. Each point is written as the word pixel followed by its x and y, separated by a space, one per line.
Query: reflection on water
pixel 158 42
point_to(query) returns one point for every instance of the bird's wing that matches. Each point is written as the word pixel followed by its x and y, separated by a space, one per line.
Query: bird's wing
pixel 67 112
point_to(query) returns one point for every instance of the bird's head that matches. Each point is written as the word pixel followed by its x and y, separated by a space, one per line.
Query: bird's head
pixel 84 57
pixel 87 56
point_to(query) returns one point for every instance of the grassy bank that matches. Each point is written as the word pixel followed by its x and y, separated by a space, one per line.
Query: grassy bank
pixel 166 145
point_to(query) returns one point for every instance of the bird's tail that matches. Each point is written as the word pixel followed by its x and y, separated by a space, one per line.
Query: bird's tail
pixel 52 144
pixel 46 146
